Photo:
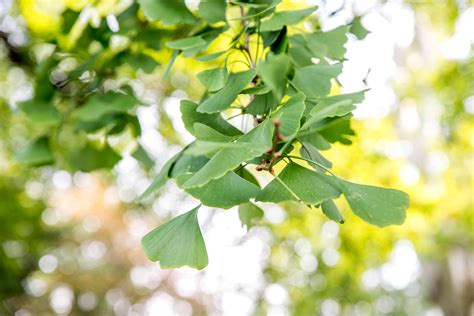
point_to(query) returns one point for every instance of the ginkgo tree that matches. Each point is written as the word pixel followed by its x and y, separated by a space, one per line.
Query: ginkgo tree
pixel 282 85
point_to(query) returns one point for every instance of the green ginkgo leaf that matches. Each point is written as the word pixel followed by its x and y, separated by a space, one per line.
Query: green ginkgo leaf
pixel 225 192
pixel 309 186
pixel 40 113
pixel 212 10
pixel 273 72
pixel 37 153
pixel 328 44
pixel 100 105
pixel 331 210
pixel 249 214
pixel 213 79
pixel 161 178
pixel 177 243
pixel 290 115
pixel 220 101
pixel 315 80
pixel 257 141
pixel 215 121
pixel 204 132
pixel 323 110
pixel 167 12
pixel 375 205
pixel 187 43
pixel 280 19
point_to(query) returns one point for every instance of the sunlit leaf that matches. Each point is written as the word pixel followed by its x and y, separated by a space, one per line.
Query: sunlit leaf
pixel 225 192
pixel 273 72
pixel 328 44
pixel 331 210
pixel 314 189
pixel 190 116
pixel 227 95
pixel 375 205
pixel 212 10
pixel 36 153
pixel 161 178
pixel 167 12
pixel 187 43
pixel 204 132
pixel 290 115
pixel 177 243
pixel 99 105
pixel 213 79
pixel 257 142
pixel 249 213
pixel 358 29
pixel 40 113
pixel 280 19
pixel 315 80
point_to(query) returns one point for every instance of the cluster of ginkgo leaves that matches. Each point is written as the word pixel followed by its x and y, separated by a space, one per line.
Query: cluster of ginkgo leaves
pixel 283 91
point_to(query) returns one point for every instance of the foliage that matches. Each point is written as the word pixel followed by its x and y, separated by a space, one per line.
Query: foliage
pixel 276 84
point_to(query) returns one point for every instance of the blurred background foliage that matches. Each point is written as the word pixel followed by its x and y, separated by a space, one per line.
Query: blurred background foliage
pixel 70 237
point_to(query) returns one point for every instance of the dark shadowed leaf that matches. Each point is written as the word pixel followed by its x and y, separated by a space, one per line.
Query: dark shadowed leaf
pixel 177 243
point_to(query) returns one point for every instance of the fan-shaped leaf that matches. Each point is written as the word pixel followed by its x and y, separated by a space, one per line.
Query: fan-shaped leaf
pixel 167 12
pixel 249 213
pixel 375 205
pixel 225 192
pixel 311 187
pixel 177 243
pixel 315 80
pixel 227 95
pixel 280 19
pixel 213 79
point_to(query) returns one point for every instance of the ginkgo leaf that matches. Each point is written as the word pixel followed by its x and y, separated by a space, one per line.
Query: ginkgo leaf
pixel 100 105
pixel 258 139
pixel 187 43
pixel 161 178
pixel 280 19
pixel 40 112
pixel 257 90
pixel 167 12
pixel 213 79
pixel 236 82
pixel 323 110
pixel 89 158
pixel 309 186
pixel 225 192
pixel 290 115
pixel 262 104
pixel 310 152
pixel 331 210
pixel 204 132
pixel 36 153
pixel 315 80
pixel 212 10
pixel 375 205
pixel 328 44
pixel 273 72
pixel 177 243
pixel 186 164
pixel 358 29
pixel 249 213
pixel 190 116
